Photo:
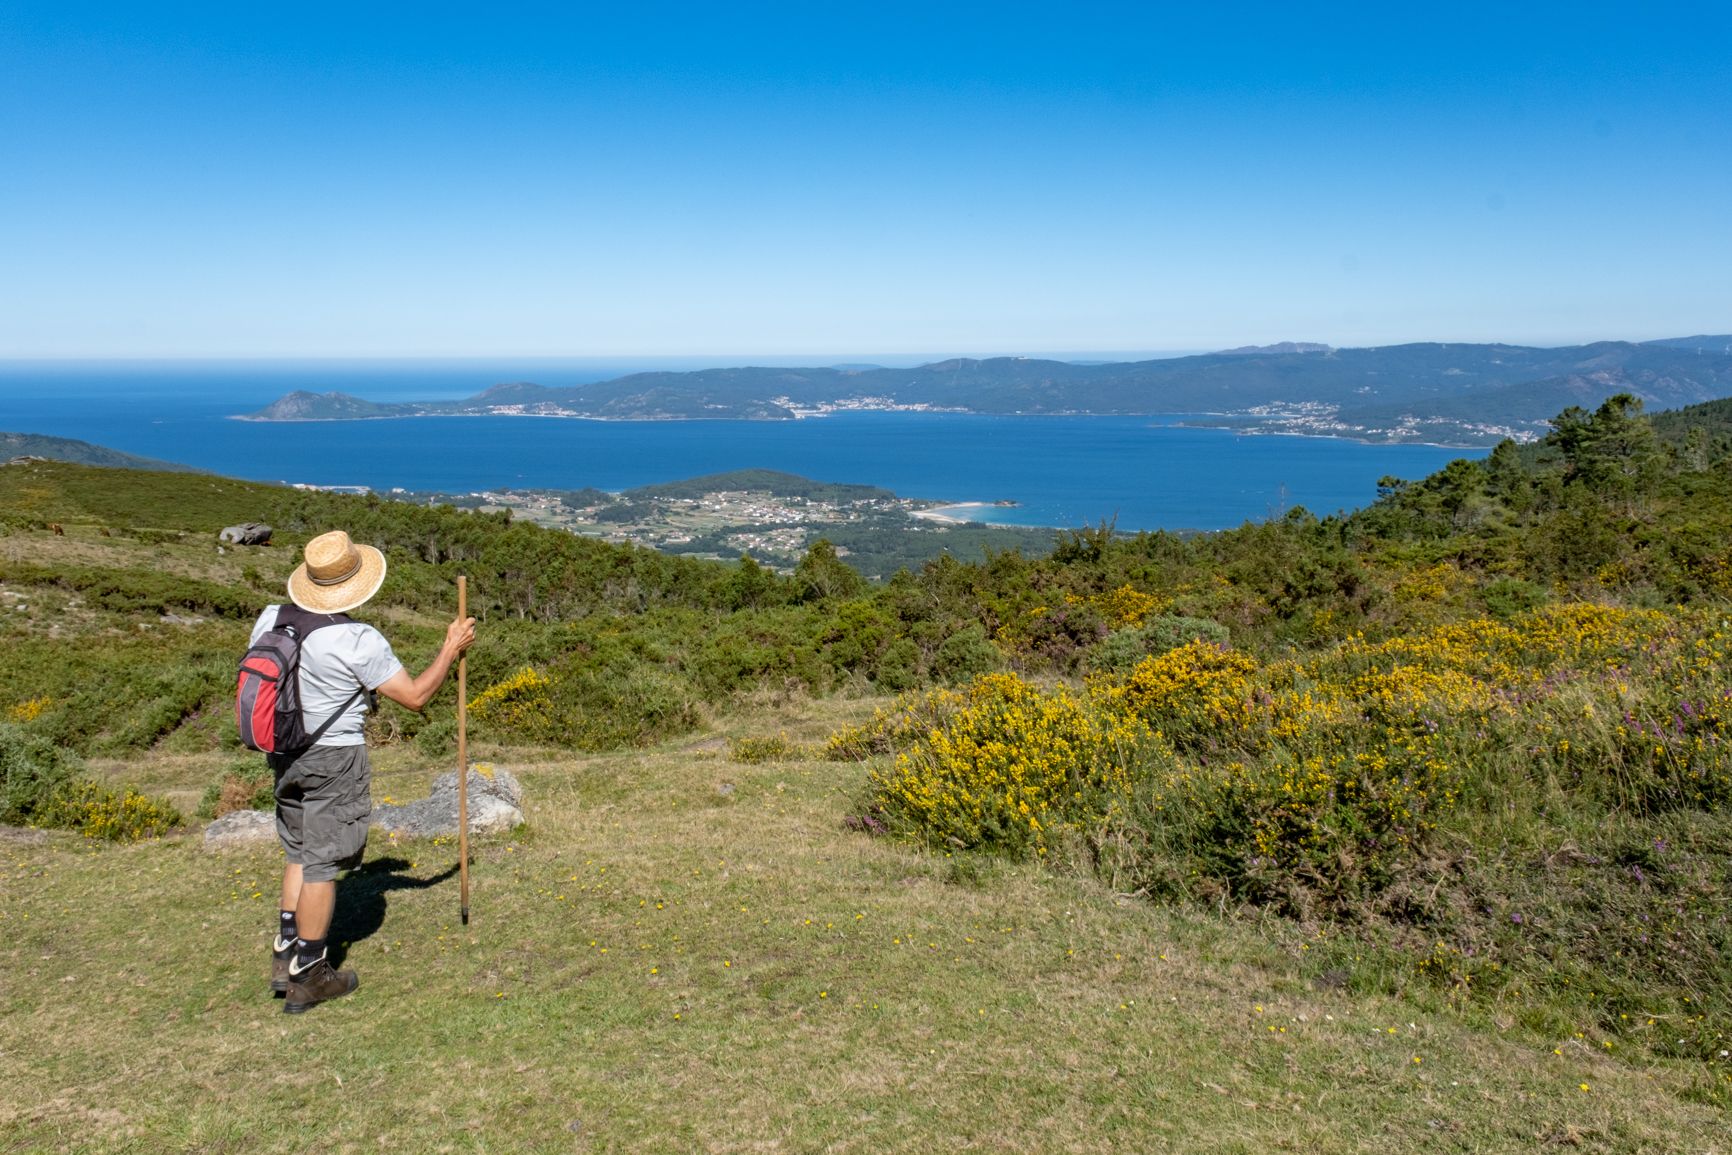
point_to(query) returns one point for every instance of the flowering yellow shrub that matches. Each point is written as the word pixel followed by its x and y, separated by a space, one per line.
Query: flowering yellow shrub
pixel 1432 584
pixel 1198 688
pixel 1322 779
pixel 98 812
pixel 1579 633
pixel 1324 776
pixel 1128 607
pixel 888 730
pixel 519 702
pixel 1012 763
pixel 1411 692
pixel 29 711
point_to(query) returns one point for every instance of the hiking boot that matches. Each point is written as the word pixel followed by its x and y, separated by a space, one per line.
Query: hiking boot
pixel 317 984
pixel 282 954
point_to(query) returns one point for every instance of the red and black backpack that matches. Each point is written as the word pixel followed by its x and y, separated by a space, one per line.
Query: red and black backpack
pixel 268 688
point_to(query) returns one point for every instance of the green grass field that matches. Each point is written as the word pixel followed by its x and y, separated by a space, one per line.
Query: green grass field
pixel 684 953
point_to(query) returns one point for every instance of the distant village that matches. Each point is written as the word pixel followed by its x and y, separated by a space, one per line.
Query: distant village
pixel 1321 419
pixel 774 528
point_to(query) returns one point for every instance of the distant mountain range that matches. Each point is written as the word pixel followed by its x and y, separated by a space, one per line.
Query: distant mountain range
pixel 1462 394
pixel 15 445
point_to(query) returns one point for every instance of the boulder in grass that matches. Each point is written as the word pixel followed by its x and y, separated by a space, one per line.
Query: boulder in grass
pixel 495 806
pixel 246 533
pixel 240 828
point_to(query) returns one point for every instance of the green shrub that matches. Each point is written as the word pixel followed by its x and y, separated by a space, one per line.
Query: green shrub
pixel 437 738
pixel 137 591
pixel 898 667
pixel 1507 597
pixel 1123 649
pixel 965 655
pixel 34 773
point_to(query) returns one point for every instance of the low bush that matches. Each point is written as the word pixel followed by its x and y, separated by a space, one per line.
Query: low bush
pixel 111 815
pixel 891 729
pixel 1124 648
pixel 34 773
pixel 579 704
pixel 965 655
pixel 776 748
pixel 1010 765
pixel 43 785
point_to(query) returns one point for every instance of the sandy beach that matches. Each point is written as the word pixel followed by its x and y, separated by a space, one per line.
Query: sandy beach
pixel 960 513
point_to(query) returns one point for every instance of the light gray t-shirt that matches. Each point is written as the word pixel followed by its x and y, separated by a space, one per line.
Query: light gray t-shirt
pixel 335 660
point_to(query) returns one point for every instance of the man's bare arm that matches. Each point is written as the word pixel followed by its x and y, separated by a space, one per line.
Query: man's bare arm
pixel 416 692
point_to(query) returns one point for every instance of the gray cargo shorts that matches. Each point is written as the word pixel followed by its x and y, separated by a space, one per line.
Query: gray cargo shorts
pixel 322 808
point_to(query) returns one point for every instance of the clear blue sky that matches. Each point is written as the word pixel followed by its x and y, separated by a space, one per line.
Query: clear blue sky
pixel 648 178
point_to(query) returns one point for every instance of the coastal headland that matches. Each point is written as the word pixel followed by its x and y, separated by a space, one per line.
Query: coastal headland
pixel 1455 394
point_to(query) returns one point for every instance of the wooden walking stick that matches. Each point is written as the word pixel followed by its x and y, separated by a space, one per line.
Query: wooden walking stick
pixel 463 756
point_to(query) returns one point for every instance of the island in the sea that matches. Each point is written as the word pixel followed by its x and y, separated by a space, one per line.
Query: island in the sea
pixel 1441 393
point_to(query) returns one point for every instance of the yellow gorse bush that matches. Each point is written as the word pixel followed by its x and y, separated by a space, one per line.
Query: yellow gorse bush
pixel 1128 606
pixel 29 710
pixel 518 702
pixel 1010 764
pixel 1432 584
pixel 1198 687
pixel 1322 776
pixel 100 813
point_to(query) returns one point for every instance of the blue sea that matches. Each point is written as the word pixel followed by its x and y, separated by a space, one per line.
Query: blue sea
pixel 1140 472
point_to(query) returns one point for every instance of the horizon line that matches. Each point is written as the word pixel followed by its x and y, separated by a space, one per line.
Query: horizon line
pixel 817 359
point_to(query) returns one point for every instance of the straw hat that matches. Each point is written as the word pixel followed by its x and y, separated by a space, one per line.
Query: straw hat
pixel 337 576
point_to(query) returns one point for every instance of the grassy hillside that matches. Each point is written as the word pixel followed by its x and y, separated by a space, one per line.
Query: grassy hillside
pixel 81 452
pixel 683 953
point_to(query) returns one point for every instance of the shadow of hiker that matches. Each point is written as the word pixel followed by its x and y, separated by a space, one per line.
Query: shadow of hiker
pixel 361 901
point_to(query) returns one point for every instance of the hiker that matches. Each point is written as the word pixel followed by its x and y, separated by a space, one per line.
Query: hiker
pixel 322 790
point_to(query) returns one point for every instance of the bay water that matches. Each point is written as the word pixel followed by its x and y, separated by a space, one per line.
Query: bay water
pixel 1142 472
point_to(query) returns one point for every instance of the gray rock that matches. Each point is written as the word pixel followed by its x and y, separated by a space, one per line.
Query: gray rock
pixel 240 828
pixel 495 806
pixel 247 533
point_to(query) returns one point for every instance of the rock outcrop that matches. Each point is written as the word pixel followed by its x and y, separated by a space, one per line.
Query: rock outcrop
pixel 495 806
pixel 246 533
pixel 241 828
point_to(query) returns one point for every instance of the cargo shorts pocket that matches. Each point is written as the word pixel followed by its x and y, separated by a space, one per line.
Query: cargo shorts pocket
pixel 350 811
pixel 334 782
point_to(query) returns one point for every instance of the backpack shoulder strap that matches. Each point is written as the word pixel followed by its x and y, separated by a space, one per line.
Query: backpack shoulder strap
pixel 303 622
